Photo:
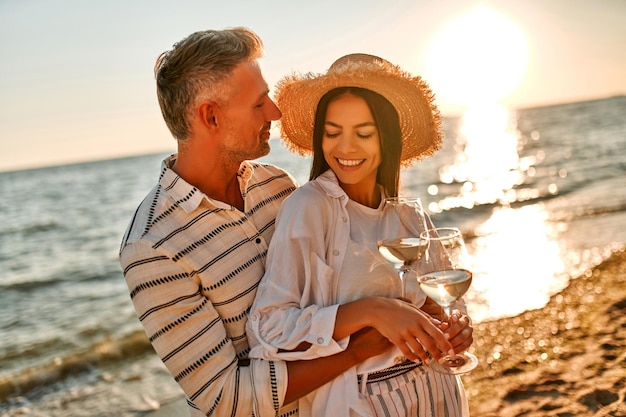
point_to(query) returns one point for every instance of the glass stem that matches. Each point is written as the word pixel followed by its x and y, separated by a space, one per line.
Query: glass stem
pixel 403 271
pixel 447 312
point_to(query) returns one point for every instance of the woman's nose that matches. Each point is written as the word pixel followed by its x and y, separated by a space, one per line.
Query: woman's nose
pixel 348 142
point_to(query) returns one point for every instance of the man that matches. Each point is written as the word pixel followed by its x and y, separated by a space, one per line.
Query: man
pixel 195 249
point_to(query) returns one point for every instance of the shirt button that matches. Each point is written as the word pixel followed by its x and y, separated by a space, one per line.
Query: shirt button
pixel 254 317
pixel 320 340
pixel 345 219
pixel 258 240
pixel 336 252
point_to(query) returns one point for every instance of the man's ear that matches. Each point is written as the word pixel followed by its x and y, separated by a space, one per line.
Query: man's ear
pixel 207 114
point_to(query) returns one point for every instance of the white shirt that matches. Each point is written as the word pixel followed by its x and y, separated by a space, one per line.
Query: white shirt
pixel 297 299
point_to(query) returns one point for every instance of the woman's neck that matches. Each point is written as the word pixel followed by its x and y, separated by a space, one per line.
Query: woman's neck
pixel 369 195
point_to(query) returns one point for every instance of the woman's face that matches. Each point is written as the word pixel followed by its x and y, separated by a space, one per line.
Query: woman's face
pixel 351 144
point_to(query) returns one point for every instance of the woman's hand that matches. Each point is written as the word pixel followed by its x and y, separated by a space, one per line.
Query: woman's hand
pixel 414 332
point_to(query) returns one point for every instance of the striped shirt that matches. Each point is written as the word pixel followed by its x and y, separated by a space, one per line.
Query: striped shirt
pixel 192 265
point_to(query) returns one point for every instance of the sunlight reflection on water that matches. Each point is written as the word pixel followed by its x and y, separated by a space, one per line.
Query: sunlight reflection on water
pixel 519 262
pixel 487 162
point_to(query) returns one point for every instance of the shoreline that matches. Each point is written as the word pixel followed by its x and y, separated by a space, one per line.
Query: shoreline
pixel 565 359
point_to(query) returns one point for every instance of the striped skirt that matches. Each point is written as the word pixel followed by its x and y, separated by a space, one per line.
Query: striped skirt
pixel 420 392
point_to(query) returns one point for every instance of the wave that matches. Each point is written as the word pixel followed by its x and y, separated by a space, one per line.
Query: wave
pixel 40 226
pixel 31 283
pixel 101 353
pixel 528 194
pixel 585 212
pixel 36 284
pixel 108 351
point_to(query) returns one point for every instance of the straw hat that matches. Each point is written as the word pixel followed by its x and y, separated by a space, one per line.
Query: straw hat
pixel 420 122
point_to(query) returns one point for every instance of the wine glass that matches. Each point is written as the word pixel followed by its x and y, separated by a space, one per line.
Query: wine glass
pixel 445 275
pixel 399 229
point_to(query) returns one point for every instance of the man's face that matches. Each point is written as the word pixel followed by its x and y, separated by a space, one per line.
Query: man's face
pixel 246 119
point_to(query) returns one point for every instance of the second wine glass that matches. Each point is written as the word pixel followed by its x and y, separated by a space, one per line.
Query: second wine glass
pixel 399 234
pixel 445 275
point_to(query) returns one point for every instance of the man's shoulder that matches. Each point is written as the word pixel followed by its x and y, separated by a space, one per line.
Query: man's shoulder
pixel 268 178
pixel 266 169
pixel 143 216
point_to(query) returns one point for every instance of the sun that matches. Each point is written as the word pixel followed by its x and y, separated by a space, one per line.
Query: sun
pixel 478 57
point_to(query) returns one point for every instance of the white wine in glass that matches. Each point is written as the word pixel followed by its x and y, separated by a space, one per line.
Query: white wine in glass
pixel 445 276
pixel 403 251
pixel 445 287
pixel 399 234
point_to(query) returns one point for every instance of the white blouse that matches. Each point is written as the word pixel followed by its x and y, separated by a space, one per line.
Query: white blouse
pixel 323 248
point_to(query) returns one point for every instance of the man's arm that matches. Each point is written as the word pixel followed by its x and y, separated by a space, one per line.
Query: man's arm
pixel 307 375
pixel 188 334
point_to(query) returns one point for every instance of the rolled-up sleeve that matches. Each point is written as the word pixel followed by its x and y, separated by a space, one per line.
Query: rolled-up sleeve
pixel 293 304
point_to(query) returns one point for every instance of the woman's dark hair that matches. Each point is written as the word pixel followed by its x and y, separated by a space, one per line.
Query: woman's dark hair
pixel 388 125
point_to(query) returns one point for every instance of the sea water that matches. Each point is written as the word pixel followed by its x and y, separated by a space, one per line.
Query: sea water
pixel 539 194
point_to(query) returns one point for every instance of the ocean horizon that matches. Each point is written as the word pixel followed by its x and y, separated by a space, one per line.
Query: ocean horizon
pixel 80 161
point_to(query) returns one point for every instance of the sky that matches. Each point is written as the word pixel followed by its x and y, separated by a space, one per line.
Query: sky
pixel 77 82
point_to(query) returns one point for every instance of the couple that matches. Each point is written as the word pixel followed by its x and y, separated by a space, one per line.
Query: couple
pixel 204 239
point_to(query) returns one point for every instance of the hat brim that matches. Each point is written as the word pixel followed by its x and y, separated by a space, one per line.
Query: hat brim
pixel 420 122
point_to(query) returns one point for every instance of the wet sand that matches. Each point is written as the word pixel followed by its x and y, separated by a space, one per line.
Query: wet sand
pixel 566 359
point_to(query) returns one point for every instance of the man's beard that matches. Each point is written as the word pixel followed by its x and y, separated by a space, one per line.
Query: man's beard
pixel 239 153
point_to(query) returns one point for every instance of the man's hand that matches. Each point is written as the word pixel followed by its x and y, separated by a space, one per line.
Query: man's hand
pixel 460 331
pixel 366 343
pixel 432 309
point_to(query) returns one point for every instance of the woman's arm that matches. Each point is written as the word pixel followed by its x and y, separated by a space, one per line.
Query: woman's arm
pixel 403 324
pixel 293 306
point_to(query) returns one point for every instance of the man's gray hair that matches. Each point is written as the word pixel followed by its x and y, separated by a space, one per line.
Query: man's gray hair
pixel 197 68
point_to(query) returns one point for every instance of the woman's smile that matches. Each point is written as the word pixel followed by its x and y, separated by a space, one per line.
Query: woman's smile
pixel 350 162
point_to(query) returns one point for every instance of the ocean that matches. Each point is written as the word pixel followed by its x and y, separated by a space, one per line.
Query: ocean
pixel 539 194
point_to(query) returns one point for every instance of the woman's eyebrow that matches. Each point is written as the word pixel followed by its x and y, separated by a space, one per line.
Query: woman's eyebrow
pixel 364 124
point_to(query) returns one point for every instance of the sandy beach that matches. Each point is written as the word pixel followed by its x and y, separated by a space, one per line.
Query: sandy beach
pixel 566 359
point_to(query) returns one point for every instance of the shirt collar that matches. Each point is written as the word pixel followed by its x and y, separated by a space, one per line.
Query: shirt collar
pixel 188 196
pixel 329 183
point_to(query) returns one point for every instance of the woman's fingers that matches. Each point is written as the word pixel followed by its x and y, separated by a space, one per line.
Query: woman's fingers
pixel 412 349
pixel 414 332
pixel 427 341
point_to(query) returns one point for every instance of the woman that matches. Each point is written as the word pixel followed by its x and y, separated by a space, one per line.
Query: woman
pixel 324 277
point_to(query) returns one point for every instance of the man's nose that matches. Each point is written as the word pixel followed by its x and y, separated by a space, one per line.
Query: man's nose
pixel 274 112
